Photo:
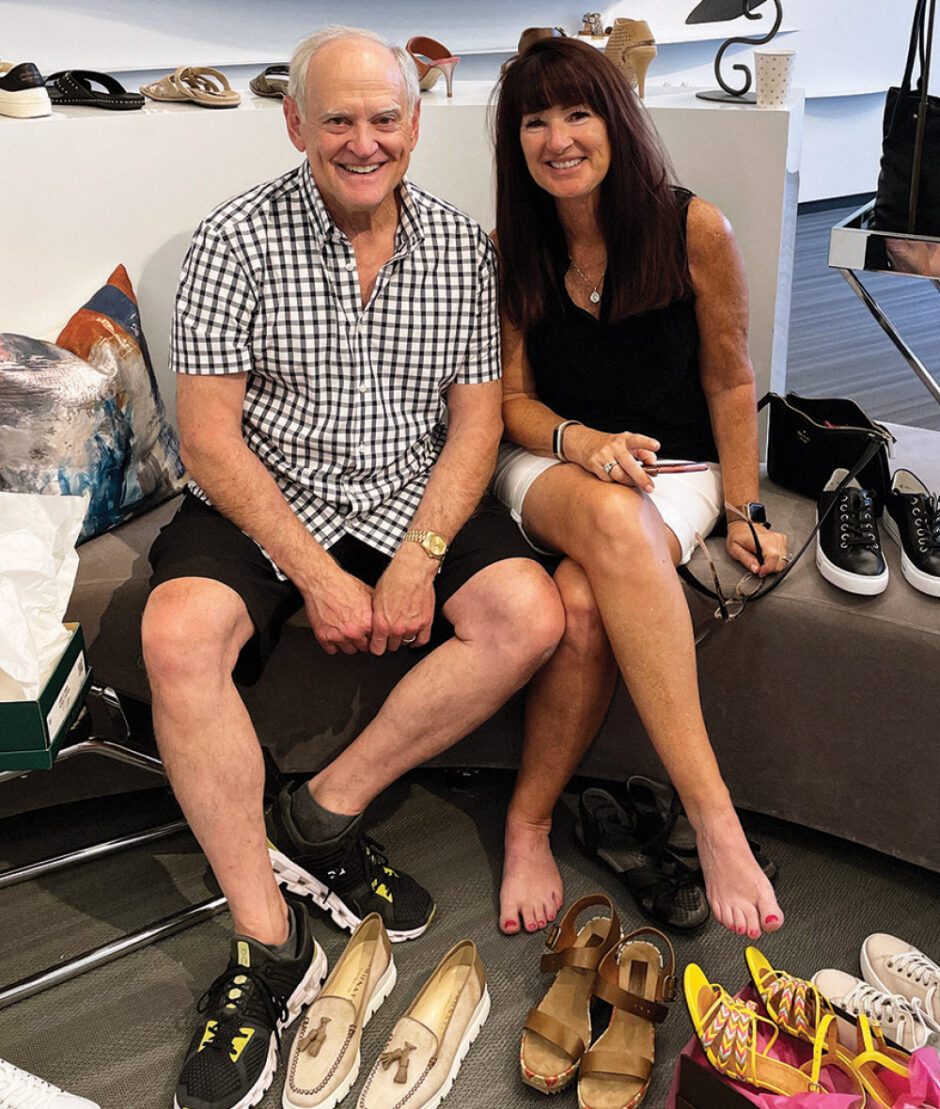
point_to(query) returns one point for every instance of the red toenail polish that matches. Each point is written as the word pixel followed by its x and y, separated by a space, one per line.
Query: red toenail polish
pixel 754 935
pixel 771 919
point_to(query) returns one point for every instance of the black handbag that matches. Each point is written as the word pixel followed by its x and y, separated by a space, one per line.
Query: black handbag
pixel 810 437
pixel 908 197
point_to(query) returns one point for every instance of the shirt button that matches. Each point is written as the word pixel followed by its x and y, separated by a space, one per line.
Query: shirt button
pixel 363 388
pixel 350 266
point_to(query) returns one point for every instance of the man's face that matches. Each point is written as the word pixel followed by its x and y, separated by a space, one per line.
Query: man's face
pixel 356 131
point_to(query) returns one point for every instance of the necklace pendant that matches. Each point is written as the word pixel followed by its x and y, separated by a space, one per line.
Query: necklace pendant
pixel 594 297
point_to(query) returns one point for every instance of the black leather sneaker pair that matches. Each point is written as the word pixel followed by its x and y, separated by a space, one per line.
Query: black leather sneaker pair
pixel 848 549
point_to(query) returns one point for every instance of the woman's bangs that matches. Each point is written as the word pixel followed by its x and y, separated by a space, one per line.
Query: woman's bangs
pixel 548 80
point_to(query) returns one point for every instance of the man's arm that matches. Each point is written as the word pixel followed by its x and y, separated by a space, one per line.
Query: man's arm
pixel 338 605
pixel 403 605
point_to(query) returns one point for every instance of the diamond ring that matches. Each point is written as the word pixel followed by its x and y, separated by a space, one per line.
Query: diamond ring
pixel 608 466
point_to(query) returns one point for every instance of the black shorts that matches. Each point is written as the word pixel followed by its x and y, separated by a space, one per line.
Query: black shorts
pixel 199 542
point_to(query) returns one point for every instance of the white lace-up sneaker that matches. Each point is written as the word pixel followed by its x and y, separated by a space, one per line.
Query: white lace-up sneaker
pixel 902 1021
pixel 21 1090
pixel 897 967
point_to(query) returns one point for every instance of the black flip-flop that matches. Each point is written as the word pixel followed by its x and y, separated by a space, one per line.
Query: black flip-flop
pixel 664 890
pixel 74 88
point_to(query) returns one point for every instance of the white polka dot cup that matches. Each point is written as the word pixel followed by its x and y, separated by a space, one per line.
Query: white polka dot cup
pixel 774 74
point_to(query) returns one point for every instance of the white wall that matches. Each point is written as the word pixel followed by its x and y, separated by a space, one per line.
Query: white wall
pixel 848 51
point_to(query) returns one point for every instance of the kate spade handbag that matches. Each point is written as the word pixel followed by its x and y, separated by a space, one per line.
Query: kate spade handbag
pixel 809 437
pixel 908 197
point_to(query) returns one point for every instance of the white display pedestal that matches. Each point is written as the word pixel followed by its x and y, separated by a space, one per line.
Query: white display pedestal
pixel 86 189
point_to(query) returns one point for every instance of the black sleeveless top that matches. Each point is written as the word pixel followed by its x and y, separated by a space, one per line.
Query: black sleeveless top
pixel 639 375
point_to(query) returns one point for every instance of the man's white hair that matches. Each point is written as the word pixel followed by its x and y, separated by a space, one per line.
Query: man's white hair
pixel 300 62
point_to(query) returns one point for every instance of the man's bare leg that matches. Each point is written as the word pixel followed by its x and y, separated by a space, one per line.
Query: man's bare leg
pixel 193 629
pixel 565 707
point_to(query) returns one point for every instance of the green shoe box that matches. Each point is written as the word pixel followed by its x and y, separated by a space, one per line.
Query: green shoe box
pixel 31 732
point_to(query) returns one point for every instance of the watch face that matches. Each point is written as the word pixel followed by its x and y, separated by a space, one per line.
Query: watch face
pixel 436 546
pixel 756 512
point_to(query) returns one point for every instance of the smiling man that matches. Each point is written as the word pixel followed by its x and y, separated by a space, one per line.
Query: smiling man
pixel 337 346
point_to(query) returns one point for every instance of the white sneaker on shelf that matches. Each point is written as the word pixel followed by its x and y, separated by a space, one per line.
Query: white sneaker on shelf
pixel 21 1090
pixel 902 1021
pixel 898 967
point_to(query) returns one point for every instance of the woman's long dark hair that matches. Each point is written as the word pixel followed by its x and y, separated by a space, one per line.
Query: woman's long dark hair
pixel 637 211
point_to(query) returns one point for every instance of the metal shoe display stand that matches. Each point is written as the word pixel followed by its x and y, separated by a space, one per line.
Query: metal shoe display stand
pixel 853 247
pixel 105 701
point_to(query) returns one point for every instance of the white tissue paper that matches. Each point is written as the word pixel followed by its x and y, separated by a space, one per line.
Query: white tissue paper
pixel 38 562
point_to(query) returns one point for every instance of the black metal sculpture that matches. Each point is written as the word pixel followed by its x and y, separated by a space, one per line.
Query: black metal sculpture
pixel 720 11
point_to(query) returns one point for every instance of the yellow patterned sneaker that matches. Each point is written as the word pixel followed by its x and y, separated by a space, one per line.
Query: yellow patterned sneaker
pixel 324 1058
pixel 347 876
pixel 233 1054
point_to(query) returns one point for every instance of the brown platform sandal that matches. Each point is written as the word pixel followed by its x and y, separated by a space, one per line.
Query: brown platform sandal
pixel 558 1029
pixel 616 1069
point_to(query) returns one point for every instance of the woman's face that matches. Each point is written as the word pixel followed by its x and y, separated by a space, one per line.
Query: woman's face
pixel 566 149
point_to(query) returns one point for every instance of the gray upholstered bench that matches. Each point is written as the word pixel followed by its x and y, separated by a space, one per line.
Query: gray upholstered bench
pixel 822 706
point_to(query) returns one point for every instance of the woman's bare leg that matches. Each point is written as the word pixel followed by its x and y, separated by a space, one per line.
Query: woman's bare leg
pixel 620 541
pixel 565 706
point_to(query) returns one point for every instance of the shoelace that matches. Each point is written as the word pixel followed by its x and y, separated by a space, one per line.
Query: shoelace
pixel 924 971
pixel 856 522
pixel 30 1091
pixel 236 992
pixel 926 511
pixel 885 1008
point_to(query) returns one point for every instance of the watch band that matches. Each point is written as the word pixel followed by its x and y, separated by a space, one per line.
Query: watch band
pixel 558 439
pixel 433 545
pixel 752 512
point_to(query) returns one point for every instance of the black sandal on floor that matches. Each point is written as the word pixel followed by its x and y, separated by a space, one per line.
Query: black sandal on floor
pixel 661 823
pixel 73 88
pixel 664 889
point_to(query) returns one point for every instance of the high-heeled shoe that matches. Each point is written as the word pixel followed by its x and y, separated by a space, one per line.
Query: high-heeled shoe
pixel 431 60
pixel 727 1030
pixel 875 1056
pixel 631 47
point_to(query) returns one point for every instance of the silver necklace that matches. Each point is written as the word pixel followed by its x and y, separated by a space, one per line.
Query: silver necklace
pixel 594 296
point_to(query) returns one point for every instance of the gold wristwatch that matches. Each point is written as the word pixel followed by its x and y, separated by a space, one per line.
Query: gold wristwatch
pixel 434 546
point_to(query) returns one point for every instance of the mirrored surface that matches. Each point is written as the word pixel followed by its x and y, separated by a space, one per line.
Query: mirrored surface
pixel 853 245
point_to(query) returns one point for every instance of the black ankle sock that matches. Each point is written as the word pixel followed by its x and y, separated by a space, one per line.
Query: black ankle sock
pixel 314 822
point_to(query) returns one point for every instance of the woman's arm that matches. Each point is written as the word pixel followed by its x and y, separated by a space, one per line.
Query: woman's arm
pixel 721 308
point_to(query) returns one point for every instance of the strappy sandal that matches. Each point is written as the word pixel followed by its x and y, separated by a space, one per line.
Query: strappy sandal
pixel 873 1056
pixel 431 60
pixel 665 890
pixel 615 1070
pixel 74 88
pixel 793 1004
pixel 727 1030
pixel 271 81
pixel 558 1029
pixel 198 84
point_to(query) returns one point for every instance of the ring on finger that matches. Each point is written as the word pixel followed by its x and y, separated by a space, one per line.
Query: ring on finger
pixel 410 639
pixel 608 466
pixel 785 558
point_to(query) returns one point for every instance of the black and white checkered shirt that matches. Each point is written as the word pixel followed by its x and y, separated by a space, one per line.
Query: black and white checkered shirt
pixel 345 404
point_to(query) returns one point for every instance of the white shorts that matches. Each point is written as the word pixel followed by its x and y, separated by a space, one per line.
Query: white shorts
pixel 688 503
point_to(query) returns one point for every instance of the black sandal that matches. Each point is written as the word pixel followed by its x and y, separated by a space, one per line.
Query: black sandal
pixel 72 88
pixel 664 889
pixel 661 824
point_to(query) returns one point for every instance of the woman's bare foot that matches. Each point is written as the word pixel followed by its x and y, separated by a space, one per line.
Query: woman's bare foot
pixel 531 892
pixel 740 894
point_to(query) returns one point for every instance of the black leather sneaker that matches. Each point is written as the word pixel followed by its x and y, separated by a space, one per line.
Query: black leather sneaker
pixel 233 1054
pixel 848 551
pixel 23 91
pixel 347 876
pixel 912 519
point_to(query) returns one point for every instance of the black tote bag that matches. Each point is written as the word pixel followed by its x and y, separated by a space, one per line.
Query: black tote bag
pixel 908 197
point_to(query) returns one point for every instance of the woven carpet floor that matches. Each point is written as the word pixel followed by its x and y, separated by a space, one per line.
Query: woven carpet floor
pixel 118 1034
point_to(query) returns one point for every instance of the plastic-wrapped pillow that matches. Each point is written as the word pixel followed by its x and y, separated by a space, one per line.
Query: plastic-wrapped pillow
pixel 85 413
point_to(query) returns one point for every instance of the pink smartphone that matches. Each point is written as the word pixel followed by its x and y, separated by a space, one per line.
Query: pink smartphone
pixel 674 467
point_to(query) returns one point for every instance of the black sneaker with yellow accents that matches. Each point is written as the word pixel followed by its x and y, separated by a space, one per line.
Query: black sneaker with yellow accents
pixel 347 876
pixel 233 1054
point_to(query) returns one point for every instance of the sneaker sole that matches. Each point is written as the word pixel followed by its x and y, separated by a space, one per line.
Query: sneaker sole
pixel 26 104
pixel 865 585
pixel 306 991
pixel 926 583
pixel 383 988
pixel 300 881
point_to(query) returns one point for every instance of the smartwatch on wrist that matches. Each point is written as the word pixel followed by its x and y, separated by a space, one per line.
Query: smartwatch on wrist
pixel 753 512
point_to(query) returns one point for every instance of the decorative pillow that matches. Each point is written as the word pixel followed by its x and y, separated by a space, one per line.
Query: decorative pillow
pixel 86 414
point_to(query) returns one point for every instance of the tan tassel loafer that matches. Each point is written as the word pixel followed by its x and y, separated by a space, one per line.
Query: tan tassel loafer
pixel 324 1057
pixel 421 1059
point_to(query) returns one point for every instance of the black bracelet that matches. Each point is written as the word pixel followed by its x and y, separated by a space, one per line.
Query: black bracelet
pixel 558 439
